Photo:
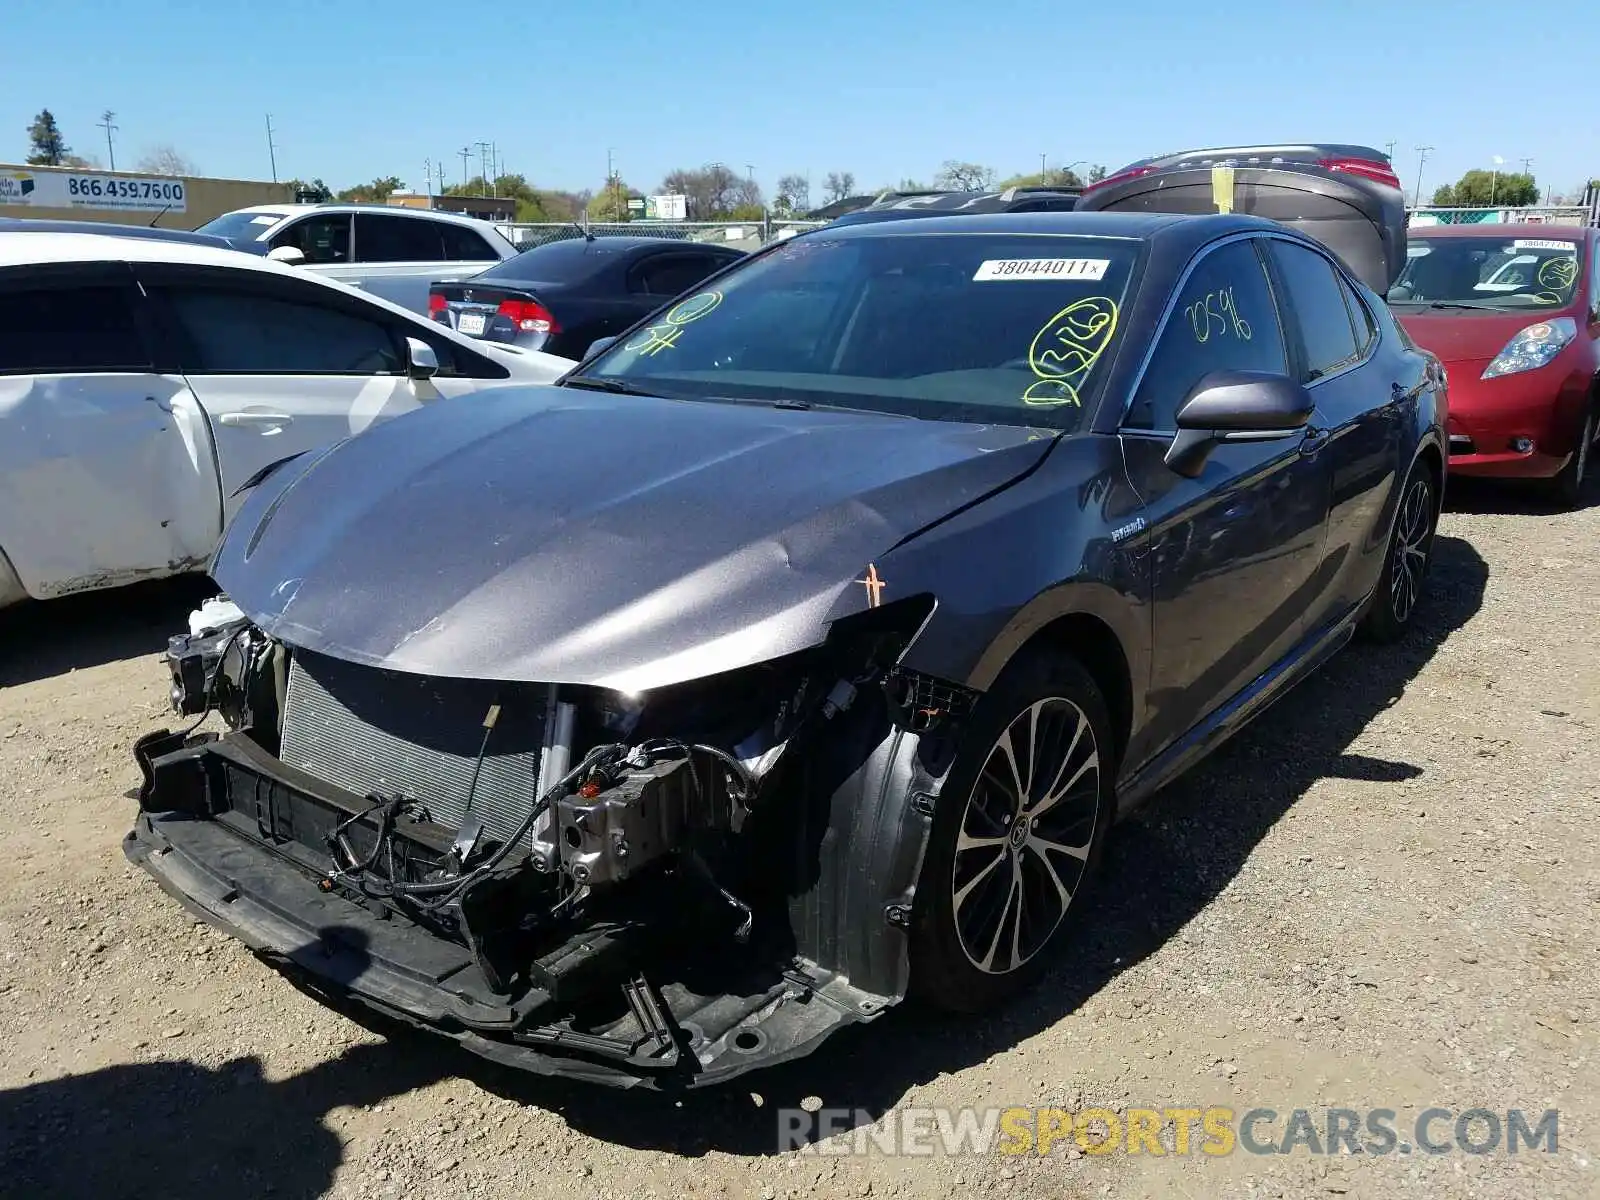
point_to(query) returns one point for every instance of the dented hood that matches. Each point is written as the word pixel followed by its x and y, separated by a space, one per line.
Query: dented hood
pixel 550 534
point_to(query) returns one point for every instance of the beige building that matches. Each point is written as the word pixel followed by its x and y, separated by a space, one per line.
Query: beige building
pixel 128 197
pixel 484 208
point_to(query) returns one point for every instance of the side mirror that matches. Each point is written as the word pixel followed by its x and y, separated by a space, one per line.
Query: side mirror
pixel 287 254
pixel 596 346
pixel 423 362
pixel 1236 406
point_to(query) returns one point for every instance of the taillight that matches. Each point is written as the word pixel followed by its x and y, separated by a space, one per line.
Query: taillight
pixel 1380 172
pixel 529 316
pixel 436 306
pixel 1120 177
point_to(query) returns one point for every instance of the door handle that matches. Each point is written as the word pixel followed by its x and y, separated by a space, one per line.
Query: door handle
pixel 1314 440
pixel 257 420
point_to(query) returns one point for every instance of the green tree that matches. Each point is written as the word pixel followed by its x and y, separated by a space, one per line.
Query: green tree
pixel 1493 189
pixel 376 192
pixel 1054 177
pixel 1097 173
pixel 1444 196
pixel 610 203
pixel 316 191
pixel 48 147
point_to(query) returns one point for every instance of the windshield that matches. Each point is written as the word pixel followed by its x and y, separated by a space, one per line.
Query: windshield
pixel 553 262
pixel 982 327
pixel 240 226
pixel 1499 273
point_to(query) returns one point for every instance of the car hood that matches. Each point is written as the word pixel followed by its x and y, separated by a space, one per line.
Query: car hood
pixel 550 534
pixel 1456 335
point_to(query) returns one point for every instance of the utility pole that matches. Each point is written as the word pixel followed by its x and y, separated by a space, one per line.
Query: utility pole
pixel 1422 157
pixel 107 120
pixel 1527 165
pixel 466 153
pixel 1042 167
pixel 427 175
pixel 483 163
pixel 272 149
pixel 1389 151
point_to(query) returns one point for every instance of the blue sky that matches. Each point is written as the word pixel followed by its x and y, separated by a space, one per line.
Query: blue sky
pixel 883 88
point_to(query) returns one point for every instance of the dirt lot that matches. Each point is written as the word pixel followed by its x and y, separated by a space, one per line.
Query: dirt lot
pixel 1382 896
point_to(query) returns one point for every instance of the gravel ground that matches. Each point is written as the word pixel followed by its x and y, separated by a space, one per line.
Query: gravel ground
pixel 1382 895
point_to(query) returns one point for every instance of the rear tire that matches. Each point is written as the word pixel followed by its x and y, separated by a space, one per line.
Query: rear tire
pixel 1405 566
pixel 1017 836
pixel 1567 487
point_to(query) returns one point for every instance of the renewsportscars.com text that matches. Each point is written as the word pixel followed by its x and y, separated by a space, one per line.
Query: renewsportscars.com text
pixel 1214 1131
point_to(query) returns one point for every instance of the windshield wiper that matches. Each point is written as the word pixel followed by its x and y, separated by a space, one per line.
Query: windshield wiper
pixel 594 383
pixel 1450 304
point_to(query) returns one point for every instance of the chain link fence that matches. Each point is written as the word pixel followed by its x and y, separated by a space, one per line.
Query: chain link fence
pixel 743 235
pixel 1538 214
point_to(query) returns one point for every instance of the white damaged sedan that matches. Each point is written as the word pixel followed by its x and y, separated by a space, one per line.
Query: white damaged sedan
pixel 144 382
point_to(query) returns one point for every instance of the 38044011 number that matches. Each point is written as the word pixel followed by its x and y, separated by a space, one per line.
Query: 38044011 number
pixel 97 187
pixel 1216 312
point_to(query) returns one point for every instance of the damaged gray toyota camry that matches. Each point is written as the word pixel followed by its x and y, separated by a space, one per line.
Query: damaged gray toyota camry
pixel 795 653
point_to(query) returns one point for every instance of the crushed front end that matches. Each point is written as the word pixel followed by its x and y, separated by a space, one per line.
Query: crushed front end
pixel 667 889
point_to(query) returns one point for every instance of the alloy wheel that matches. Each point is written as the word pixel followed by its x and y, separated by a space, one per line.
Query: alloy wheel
pixel 1412 533
pixel 1025 835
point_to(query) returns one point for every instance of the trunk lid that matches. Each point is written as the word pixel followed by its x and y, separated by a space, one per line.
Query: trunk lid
pixel 484 310
pixel 1347 197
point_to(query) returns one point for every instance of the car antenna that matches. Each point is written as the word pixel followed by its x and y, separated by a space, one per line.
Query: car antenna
pixel 158 216
pixel 587 235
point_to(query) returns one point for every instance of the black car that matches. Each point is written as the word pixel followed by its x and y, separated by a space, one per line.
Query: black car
pixel 562 296
pixel 795 653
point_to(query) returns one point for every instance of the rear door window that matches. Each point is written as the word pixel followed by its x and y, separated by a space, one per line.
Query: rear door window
pixel 69 330
pixel 322 239
pixel 398 239
pixel 671 274
pixel 235 332
pixel 1317 307
pixel 465 245
pixel 1225 319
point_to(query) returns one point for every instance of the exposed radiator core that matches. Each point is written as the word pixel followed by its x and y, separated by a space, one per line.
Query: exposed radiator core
pixel 371 730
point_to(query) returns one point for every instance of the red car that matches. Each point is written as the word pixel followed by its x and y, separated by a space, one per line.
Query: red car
pixel 1514 313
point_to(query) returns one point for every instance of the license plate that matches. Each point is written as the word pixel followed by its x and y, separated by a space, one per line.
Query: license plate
pixel 471 324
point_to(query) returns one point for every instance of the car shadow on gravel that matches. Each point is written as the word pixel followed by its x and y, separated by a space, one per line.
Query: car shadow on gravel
pixel 39 639
pixel 1162 868
pixel 1500 497
pixel 184 1131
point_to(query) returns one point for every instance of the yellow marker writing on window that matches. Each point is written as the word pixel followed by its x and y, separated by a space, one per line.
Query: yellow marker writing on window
pixel 1066 348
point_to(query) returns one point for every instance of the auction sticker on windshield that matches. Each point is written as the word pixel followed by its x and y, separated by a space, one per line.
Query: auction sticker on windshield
pixel 1540 244
pixel 1041 268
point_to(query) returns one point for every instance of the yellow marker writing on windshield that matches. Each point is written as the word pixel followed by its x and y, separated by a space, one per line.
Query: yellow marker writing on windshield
pixel 664 336
pixel 1558 273
pixel 1065 349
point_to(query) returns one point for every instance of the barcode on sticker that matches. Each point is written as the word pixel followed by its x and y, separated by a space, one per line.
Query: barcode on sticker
pixel 1540 244
pixel 1042 268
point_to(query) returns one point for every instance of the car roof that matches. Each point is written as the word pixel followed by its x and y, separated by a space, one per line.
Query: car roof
pixel 393 210
pixel 1137 225
pixel 622 242
pixel 158 233
pixel 24 247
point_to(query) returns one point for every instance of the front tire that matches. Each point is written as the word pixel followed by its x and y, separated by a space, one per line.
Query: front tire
pixel 1017 836
pixel 1567 486
pixel 1405 566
